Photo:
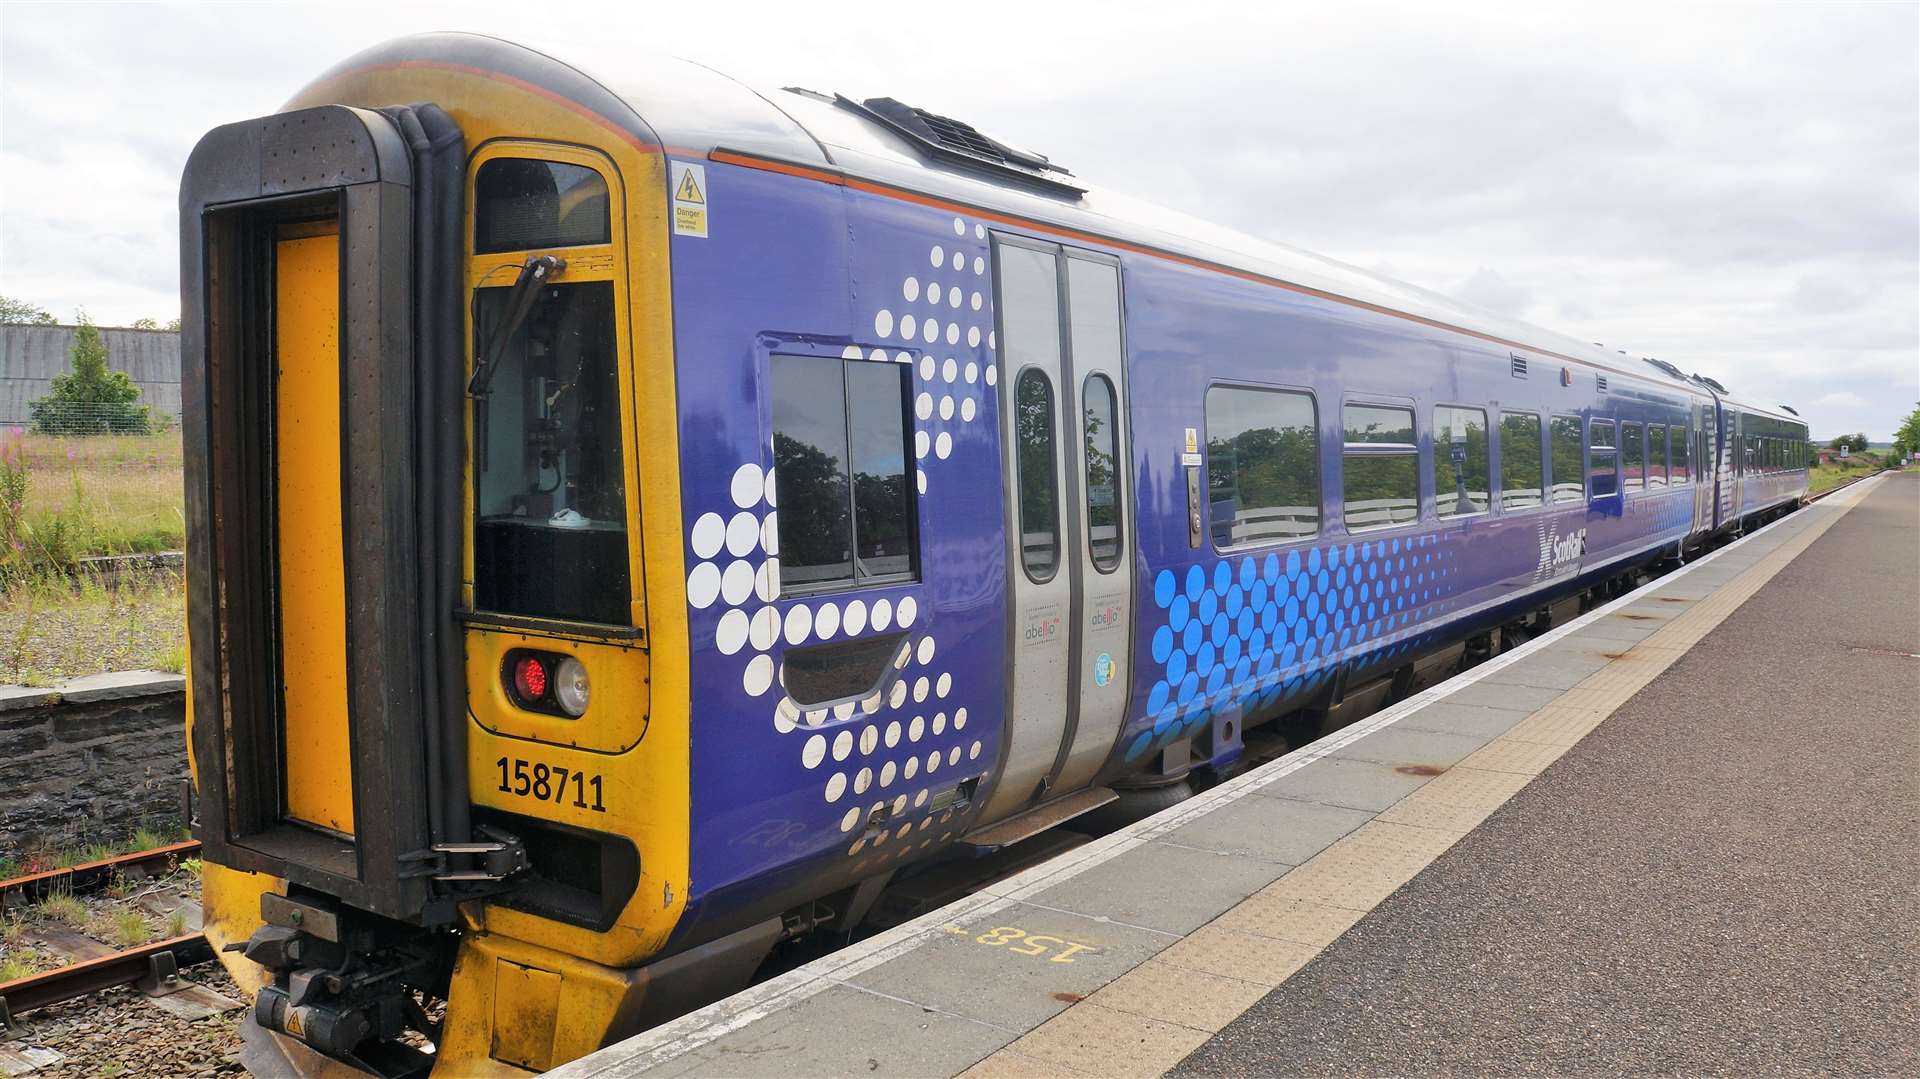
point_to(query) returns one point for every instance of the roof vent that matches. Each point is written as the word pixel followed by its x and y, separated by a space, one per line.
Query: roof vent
pixel 1791 409
pixel 1667 367
pixel 1600 381
pixel 1519 365
pixel 955 142
pixel 1709 383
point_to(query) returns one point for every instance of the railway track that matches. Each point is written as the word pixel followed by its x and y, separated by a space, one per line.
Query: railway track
pixel 153 966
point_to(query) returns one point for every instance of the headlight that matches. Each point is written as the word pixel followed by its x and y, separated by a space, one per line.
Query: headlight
pixel 570 688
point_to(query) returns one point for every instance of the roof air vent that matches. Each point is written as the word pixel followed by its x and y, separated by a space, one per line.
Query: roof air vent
pixel 1667 367
pixel 955 142
pixel 1518 365
pixel 1600 381
pixel 1709 383
pixel 1791 409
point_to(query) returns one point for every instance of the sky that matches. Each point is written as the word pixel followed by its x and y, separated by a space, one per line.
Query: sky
pixel 1734 188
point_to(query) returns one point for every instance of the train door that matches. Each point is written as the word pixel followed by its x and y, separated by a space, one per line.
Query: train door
pixel 1070 562
pixel 1700 468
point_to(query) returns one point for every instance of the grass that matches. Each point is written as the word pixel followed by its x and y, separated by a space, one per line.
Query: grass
pixel 64 499
pixel 64 908
pixel 123 927
pixel 45 858
pixel 19 964
pixel 176 924
pixel 1827 477
pixel 103 494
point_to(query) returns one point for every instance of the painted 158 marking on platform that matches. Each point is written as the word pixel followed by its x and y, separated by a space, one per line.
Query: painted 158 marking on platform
pixel 1031 944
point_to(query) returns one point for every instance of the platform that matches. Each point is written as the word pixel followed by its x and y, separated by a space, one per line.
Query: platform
pixel 1716 871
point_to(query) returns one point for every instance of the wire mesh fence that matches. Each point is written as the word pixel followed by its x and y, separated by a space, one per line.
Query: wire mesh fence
pixel 51 417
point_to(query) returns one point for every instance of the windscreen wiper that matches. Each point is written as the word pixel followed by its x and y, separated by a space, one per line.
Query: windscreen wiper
pixel 537 271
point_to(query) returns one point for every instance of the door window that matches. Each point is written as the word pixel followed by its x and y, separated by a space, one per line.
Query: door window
pixel 1103 466
pixel 1039 492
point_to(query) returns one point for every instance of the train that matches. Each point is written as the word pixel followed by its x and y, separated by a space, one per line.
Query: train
pixel 634 532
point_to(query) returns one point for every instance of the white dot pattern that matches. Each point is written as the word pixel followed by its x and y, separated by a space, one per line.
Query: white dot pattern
pixel 874 744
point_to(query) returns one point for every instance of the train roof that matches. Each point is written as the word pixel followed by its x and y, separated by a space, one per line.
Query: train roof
pixel 692 110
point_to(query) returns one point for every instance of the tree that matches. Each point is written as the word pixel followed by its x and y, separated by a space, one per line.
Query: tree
pixel 143 324
pixel 21 313
pixel 1856 443
pixel 1906 440
pixel 90 399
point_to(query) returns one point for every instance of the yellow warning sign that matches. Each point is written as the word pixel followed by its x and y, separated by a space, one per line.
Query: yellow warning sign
pixel 689 199
pixel 1193 440
pixel 689 189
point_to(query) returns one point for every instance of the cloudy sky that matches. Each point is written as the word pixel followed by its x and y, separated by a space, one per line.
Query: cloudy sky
pixel 1733 187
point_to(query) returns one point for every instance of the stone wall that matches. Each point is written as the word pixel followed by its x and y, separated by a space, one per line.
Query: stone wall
pixel 91 759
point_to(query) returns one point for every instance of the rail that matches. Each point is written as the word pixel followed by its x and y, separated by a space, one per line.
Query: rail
pixel 86 875
pixel 157 963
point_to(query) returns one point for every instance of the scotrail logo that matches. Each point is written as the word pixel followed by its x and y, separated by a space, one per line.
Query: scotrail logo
pixel 1559 554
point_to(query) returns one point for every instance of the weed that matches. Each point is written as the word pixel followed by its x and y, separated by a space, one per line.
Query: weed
pixel 19 964
pixel 9 866
pixel 12 930
pixel 148 839
pixel 118 885
pixel 176 924
pixel 128 928
pixel 192 867
pixel 63 907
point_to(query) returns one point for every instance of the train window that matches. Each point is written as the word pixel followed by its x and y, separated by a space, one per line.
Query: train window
pixel 1460 469
pixel 1563 436
pixel 521 204
pixel 1656 455
pixel 1522 475
pixel 1603 469
pixel 841 476
pixel 1103 472
pixel 550 491
pixel 1381 466
pixel 1039 491
pixel 1263 474
pixel 1677 465
pixel 1633 458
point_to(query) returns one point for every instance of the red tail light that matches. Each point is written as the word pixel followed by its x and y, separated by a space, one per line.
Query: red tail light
pixel 529 679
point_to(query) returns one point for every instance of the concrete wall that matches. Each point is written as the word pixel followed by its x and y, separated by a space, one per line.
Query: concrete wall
pixel 31 355
pixel 91 759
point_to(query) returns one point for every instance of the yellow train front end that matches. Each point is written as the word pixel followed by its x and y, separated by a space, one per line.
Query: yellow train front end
pixel 434 562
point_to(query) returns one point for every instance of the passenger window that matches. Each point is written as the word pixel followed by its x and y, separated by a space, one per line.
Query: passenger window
pixel 1522 479
pixel 1460 469
pixel 1603 469
pixel 840 451
pixel 1677 469
pixel 1103 465
pixel 550 489
pixel 1381 485
pixel 1563 432
pixel 1633 458
pixel 521 204
pixel 1263 473
pixel 1656 455
pixel 1039 493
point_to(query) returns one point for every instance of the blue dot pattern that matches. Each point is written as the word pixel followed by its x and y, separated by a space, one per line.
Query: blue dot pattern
pixel 1252 632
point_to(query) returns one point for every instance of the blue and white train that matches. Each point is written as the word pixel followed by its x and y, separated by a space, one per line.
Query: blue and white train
pixel 836 491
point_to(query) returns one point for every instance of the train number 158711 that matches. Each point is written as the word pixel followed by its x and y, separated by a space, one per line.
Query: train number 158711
pixel 551 783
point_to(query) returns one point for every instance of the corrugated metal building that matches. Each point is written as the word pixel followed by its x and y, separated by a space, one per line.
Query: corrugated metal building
pixel 31 355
